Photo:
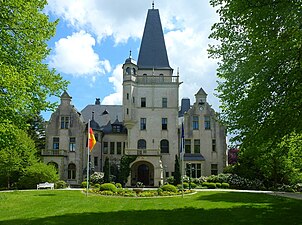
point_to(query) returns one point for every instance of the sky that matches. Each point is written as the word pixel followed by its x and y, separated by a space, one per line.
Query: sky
pixel 94 37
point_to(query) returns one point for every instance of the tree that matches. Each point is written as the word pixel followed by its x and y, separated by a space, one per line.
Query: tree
pixel 260 71
pixel 17 151
pixel 37 173
pixel 36 131
pixel 177 172
pixel 25 81
pixel 106 170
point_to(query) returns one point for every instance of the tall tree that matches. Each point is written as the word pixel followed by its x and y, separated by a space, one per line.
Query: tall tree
pixel 17 151
pixel 177 172
pixel 260 71
pixel 25 81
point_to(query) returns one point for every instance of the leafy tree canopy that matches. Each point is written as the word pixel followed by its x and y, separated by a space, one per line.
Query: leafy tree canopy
pixel 25 81
pixel 260 49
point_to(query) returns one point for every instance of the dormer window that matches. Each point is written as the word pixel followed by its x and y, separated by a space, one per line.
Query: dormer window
pixel 116 128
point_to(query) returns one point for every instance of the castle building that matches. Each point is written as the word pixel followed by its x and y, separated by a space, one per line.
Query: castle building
pixel 147 125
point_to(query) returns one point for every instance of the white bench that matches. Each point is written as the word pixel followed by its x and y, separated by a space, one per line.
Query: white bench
pixel 46 185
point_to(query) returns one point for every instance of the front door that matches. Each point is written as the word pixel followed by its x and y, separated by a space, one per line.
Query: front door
pixel 143 174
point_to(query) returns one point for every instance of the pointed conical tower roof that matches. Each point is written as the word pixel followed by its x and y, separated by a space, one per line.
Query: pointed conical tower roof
pixel 153 53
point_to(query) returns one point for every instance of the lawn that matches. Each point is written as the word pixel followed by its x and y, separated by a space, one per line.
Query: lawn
pixel 73 207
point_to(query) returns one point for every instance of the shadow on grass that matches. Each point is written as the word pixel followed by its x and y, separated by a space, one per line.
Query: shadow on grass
pixel 247 214
pixel 235 197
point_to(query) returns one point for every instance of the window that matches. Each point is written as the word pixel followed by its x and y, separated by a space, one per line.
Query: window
pixel 196 146
pixel 214 145
pixel 134 71
pixel 96 136
pixel 193 170
pixel 119 148
pixel 143 123
pixel 195 124
pixel 164 146
pixel 65 122
pixel 96 160
pixel 164 123
pixel 127 111
pixel 127 96
pixel 161 78
pixel 143 102
pixel 214 169
pixel 133 99
pixel 187 145
pixel 116 129
pixel 56 143
pixel 141 144
pixel 164 102
pixel 105 148
pixel 145 78
pixel 71 171
pixel 207 123
pixel 128 70
pixel 72 144
pixel 112 149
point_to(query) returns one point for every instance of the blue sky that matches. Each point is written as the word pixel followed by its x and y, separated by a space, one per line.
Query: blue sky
pixel 94 38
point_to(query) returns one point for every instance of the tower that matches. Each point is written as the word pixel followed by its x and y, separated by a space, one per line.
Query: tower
pixel 150 106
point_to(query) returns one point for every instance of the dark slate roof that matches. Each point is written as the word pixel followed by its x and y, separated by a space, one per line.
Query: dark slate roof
pixel 102 112
pixel 153 53
pixel 193 157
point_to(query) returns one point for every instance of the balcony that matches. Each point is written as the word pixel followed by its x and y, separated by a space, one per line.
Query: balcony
pixel 145 152
pixel 53 152
pixel 152 79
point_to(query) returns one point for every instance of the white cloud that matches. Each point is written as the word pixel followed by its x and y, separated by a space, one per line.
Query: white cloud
pixel 186 24
pixel 117 80
pixel 75 55
pixel 117 18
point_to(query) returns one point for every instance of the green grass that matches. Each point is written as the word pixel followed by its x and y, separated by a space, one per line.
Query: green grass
pixel 73 207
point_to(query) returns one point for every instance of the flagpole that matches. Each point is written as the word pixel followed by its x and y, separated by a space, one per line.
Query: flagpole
pixel 87 179
pixel 182 158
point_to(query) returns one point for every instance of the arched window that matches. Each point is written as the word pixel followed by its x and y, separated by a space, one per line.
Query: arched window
pixel 141 144
pixel 128 70
pixel 164 146
pixel 161 78
pixel 71 171
pixel 134 71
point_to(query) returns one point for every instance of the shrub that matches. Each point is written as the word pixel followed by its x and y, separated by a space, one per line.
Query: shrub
pixel 186 185
pixel 60 184
pixel 209 185
pixel 108 187
pixel 225 185
pixel 106 192
pixel 97 178
pixel 84 184
pixel 238 182
pixel 118 185
pixel 97 186
pixel 218 185
pixel 171 180
pixel 140 185
pixel 37 173
pixel 199 180
pixel 193 185
pixel 169 187
pixel 220 178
